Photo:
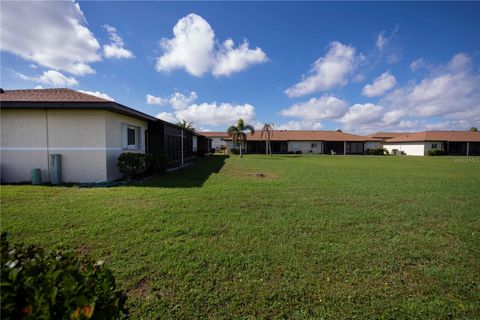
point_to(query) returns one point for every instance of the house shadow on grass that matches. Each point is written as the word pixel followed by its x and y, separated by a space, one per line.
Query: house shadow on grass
pixel 192 176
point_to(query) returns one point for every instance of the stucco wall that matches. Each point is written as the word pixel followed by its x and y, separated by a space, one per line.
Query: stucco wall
pixel 410 148
pixel 23 141
pixel 305 146
pixel 89 142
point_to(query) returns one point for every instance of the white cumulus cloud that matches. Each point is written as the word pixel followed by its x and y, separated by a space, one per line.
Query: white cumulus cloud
pixel 193 48
pixel 176 100
pixel 98 94
pixel 217 113
pixel 327 72
pixel 167 116
pixel 151 99
pixel 50 78
pixel 449 92
pixel 362 114
pixel 52 34
pixel 448 89
pixel 300 125
pixel 230 59
pixel 181 101
pixel 380 85
pixel 325 107
pixel 115 49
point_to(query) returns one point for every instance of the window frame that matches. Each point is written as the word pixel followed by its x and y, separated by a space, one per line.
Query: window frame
pixel 136 131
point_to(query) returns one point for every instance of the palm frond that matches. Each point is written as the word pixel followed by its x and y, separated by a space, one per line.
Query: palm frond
pixel 249 128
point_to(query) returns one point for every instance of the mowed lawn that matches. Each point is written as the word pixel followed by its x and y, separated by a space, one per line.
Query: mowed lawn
pixel 311 237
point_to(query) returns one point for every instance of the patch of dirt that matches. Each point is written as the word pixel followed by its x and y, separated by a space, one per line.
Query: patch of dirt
pixel 84 249
pixel 140 290
pixel 260 175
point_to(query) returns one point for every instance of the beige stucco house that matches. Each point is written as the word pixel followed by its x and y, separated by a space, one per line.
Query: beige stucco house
pixel 88 132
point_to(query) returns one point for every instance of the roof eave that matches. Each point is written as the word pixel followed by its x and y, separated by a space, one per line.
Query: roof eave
pixel 107 105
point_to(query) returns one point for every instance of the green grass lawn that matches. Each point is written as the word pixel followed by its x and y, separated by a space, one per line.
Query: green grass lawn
pixel 315 237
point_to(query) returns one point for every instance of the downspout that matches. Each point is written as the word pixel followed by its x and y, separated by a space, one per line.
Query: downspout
pixel 344 147
pixel 48 144
pixel 468 147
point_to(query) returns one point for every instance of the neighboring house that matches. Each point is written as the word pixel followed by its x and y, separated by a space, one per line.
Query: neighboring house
pixel 375 140
pixel 463 143
pixel 217 138
pixel 306 141
pixel 88 132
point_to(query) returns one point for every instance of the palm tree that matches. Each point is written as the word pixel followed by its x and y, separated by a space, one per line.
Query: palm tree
pixel 474 129
pixel 186 125
pixel 237 133
pixel 267 130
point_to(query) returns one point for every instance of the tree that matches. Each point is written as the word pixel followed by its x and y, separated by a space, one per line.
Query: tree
pixel 474 129
pixel 267 132
pixel 237 133
pixel 186 125
pixel 338 130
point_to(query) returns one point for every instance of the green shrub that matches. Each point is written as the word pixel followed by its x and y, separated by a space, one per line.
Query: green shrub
pixel 377 152
pixel 235 151
pixel 436 152
pixel 134 164
pixel 291 152
pixel 55 285
pixel 159 163
pixel 298 152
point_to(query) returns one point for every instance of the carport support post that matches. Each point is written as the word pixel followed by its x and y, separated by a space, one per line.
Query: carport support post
pixel 182 147
pixel 344 147
pixel 468 147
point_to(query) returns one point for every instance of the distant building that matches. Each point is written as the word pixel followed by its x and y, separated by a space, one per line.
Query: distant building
pixel 308 141
pixel 218 139
pixel 461 143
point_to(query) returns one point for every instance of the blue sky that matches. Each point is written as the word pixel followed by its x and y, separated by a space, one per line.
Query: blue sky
pixel 360 66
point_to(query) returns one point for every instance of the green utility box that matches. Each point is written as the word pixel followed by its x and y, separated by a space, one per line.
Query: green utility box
pixel 36 177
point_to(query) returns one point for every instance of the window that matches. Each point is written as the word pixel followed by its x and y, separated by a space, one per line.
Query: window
pixel 314 145
pixel 434 146
pixel 131 137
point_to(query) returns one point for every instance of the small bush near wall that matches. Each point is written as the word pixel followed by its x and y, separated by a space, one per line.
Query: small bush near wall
pixel 436 152
pixel 134 164
pixel 159 163
pixel 235 151
pixel 55 285
pixel 377 152
pixel 298 152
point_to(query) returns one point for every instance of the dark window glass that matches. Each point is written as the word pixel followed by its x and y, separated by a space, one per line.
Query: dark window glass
pixel 131 136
